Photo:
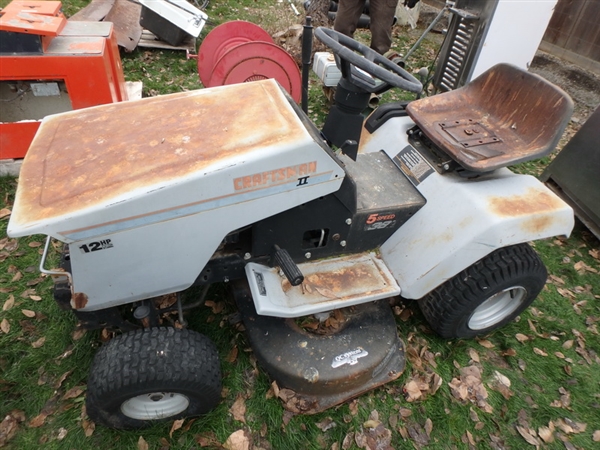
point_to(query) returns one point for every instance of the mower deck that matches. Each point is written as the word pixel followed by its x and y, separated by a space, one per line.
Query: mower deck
pixel 361 352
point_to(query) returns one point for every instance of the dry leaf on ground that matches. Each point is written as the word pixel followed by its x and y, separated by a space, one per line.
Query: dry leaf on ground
pixel 547 433
pixel 208 439
pixel 326 424
pixel 239 440
pixel 469 387
pixel 529 435
pixel 177 424
pixel 9 303
pixel 238 409
pixel 142 444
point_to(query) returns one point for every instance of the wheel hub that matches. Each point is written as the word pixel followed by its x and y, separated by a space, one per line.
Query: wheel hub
pixel 155 405
pixel 497 307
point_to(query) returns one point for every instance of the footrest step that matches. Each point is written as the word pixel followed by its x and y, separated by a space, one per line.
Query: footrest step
pixel 328 284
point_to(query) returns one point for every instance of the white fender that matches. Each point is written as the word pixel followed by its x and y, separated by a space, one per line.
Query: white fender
pixel 463 219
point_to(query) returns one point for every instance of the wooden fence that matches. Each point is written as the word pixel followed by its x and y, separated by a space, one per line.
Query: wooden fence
pixel 574 33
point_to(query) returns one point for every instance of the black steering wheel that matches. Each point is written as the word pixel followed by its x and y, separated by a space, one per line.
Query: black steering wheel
pixel 353 56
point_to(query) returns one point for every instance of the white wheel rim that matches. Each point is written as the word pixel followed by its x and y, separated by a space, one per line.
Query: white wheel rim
pixel 496 308
pixel 155 405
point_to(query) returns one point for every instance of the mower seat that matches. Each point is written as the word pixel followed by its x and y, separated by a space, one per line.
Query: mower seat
pixel 505 116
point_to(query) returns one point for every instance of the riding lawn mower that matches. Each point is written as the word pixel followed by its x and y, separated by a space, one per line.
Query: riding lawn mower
pixel 234 184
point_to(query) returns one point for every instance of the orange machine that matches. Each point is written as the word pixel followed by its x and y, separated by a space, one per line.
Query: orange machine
pixel 50 65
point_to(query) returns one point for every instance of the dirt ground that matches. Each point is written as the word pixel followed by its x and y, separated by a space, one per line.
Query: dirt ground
pixel 582 85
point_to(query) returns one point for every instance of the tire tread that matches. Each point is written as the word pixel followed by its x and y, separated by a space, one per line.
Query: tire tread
pixel 444 307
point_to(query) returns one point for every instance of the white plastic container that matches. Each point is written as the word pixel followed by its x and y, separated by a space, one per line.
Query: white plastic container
pixel 326 69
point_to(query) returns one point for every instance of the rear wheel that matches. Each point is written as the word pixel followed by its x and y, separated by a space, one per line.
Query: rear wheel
pixel 153 375
pixel 486 295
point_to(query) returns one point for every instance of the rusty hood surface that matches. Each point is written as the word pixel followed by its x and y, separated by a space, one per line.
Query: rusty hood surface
pixel 88 159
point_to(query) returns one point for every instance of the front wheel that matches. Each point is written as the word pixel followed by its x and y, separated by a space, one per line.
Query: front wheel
pixel 486 295
pixel 152 375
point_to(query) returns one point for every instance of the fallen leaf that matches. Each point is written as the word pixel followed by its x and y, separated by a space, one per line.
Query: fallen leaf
pixel 58 383
pixel 596 436
pixel 208 439
pixel 468 437
pixel 412 391
pixel 177 424
pixel 142 444
pixel 232 355
pixel 485 343
pixel 326 424
pixel 16 277
pixel 568 344
pixel 521 337
pixel 566 293
pixel 8 428
pixel 62 433
pixel 569 426
pixel 529 435
pixel 418 435
pixel 238 409
pixel 9 303
pixel 74 392
pixel 473 354
pixel 5 326
pixel 78 334
pixel 371 424
pixel 353 406
pixel 468 387
pixel 239 440
pixel 216 307
pixel 35 244
pixel 39 342
pixel 436 383
pixel 4 212
pixel 501 383
pixel 540 352
pixel 65 354
pixel 28 313
pixel 428 426
pixel 348 441
pixel 547 433
pixel 582 267
pixel 38 420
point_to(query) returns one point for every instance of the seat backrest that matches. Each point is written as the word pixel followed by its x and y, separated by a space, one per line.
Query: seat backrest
pixel 505 116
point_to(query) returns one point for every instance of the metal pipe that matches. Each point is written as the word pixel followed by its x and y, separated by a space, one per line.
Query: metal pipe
pixel 307 38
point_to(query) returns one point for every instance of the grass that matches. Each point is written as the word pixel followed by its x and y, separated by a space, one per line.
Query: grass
pixel 549 355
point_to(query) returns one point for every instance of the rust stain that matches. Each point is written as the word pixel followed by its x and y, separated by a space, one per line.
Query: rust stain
pixel 360 279
pixel 524 112
pixel 534 202
pixel 332 284
pixel 87 157
pixel 537 224
pixel 79 300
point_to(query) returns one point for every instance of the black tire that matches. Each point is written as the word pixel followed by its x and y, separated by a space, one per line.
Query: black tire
pixel 153 375
pixel 509 280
